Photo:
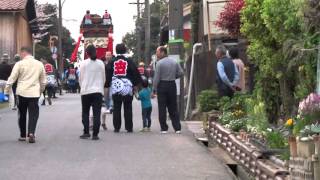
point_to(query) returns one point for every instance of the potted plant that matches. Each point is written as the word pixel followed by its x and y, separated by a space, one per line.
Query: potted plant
pixel 307 124
pixel 291 139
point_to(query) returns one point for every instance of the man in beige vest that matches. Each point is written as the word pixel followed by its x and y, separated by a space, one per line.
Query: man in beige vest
pixel 30 75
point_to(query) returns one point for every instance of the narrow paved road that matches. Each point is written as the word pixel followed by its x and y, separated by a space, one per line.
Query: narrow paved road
pixel 59 154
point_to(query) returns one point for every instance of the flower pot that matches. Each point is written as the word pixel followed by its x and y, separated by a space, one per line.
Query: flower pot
pixel 293 146
pixel 305 147
pixel 316 158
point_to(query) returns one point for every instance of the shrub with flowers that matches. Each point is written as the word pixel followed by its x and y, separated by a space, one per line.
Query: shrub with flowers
pixel 310 105
pixel 234 114
pixel 229 18
pixel 308 115
pixel 290 125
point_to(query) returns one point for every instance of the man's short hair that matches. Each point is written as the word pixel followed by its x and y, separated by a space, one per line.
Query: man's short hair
pixel 26 49
pixel 222 50
pixel 121 48
pixel 163 49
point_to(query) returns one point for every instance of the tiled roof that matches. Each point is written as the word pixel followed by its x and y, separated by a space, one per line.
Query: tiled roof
pixel 11 5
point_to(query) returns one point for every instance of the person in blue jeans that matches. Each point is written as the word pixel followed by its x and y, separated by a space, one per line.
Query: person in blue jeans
pixel 108 101
pixel 145 98
pixel 108 95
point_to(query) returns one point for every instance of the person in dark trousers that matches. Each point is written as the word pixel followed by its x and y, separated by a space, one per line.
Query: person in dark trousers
pixel 51 82
pixel 108 94
pixel 227 73
pixel 16 59
pixel 146 106
pixel 164 85
pixel 59 82
pixel 92 80
pixel 31 77
pixel 5 71
pixel 123 77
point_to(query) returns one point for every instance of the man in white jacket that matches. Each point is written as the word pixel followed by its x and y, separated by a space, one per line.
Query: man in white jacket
pixel 92 80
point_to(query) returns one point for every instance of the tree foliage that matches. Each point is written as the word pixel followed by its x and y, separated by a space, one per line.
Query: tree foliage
pixel 269 25
pixel 229 18
pixel 130 40
pixel 157 10
pixel 42 49
pixel 278 33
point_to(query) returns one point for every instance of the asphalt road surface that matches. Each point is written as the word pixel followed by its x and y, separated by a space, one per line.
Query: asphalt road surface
pixel 59 154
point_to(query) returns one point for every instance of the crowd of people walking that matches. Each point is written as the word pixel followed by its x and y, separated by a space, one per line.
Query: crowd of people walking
pixel 111 84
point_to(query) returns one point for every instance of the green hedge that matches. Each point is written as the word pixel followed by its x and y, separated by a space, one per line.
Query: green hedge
pixel 208 100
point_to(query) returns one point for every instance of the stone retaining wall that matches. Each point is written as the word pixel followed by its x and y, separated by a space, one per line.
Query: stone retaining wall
pixel 245 153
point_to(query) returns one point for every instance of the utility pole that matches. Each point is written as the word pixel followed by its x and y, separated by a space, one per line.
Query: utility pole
pixel 138 26
pixel 60 54
pixel 138 29
pixel 318 70
pixel 176 43
pixel 147 53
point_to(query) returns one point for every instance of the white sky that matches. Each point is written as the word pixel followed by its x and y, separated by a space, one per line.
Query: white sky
pixel 121 11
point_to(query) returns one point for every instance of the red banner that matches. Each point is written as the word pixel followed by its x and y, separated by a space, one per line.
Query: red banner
pixel 74 55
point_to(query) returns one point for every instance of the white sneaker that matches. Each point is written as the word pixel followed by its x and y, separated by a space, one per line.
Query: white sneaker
pixel 178 132
pixel 164 132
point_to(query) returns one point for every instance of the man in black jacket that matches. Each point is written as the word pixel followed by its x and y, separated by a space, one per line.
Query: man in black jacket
pixel 123 77
pixel 5 71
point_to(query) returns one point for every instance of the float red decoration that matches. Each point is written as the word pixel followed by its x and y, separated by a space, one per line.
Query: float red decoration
pixel 74 55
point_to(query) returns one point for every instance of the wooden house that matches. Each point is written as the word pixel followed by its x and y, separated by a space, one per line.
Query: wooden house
pixel 15 25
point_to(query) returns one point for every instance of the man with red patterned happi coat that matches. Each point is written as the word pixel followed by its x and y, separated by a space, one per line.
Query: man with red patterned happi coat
pixel 123 77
